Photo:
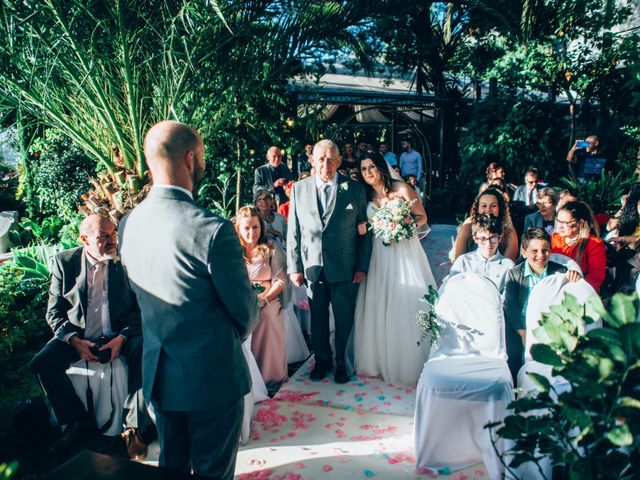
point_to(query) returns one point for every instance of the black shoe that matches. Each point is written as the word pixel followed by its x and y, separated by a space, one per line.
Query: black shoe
pixel 319 371
pixel 75 433
pixel 341 375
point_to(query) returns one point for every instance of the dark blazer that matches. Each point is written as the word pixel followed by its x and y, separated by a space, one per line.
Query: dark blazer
pixel 266 175
pixel 186 268
pixel 517 292
pixel 68 297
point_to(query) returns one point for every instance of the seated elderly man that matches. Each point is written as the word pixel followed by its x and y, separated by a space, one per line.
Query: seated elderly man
pixel 90 299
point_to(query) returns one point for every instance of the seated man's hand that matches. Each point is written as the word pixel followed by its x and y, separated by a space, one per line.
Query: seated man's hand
pixel 83 347
pixel 115 344
pixel 573 276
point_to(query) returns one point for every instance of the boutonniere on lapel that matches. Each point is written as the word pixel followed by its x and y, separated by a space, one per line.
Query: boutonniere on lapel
pixel 115 259
pixel 344 186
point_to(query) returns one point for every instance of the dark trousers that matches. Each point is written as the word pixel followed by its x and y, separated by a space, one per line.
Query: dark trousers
pixel 342 297
pixel 51 363
pixel 515 352
pixel 206 440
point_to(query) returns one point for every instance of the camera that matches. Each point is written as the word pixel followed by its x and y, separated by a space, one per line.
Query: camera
pixel 103 355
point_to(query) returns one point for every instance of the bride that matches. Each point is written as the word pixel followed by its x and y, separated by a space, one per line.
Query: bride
pixel 386 332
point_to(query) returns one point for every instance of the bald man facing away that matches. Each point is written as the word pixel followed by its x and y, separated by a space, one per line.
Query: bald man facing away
pixel 90 299
pixel 186 268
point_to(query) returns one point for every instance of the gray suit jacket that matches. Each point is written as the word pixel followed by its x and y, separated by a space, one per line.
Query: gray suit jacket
pixel 186 268
pixel 330 242
pixel 533 220
pixel 516 292
pixel 265 175
pixel 68 297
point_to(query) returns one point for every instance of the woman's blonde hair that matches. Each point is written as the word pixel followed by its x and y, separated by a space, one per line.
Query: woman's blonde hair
pixel 264 248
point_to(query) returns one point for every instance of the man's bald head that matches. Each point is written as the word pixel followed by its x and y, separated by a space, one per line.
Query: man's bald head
pixel 168 141
pixel 175 154
pixel 274 156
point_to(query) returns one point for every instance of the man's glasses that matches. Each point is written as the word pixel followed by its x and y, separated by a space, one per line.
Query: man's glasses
pixel 492 240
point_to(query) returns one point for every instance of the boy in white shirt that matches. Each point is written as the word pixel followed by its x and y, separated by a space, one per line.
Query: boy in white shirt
pixel 486 260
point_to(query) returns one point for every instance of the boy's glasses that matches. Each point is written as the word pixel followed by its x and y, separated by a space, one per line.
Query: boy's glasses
pixel 492 240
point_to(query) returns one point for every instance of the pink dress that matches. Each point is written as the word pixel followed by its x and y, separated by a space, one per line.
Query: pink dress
pixel 268 339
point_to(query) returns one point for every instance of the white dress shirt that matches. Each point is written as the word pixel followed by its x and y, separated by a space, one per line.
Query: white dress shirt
pixel 494 268
pixel 332 188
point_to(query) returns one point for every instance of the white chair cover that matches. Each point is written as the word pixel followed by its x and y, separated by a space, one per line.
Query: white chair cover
pixel 568 262
pixel 638 293
pixel 466 383
pixel 258 391
pixel 108 383
pixel 550 291
pixel 296 347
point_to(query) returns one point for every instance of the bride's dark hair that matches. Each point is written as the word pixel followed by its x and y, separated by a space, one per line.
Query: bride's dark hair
pixel 382 166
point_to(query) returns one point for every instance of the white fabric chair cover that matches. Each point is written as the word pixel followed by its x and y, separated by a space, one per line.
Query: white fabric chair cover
pixel 108 383
pixel 466 383
pixel 638 293
pixel 550 291
pixel 568 262
pixel 258 391
pixel 296 347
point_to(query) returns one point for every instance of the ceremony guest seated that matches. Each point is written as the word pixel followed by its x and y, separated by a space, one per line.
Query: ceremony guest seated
pixel 486 260
pixel 83 281
pixel 492 202
pixel 273 176
pixel 496 177
pixel 576 236
pixel 349 161
pixel 267 267
pixel 565 196
pixel 525 197
pixel 520 280
pixel 275 223
pixel 546 215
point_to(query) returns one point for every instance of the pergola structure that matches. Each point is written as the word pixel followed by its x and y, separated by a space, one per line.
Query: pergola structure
pixel 377 107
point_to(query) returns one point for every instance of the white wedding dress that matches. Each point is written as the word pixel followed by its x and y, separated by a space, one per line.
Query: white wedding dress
pixel 386 331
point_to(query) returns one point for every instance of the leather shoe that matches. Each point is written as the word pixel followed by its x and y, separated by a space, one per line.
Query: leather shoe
pixel 341 375
pixel 136 448
pixel 319 371
pixel 76 432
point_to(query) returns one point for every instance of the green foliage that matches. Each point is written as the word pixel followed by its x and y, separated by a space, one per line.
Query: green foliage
pixel 8 470
pixel 594 428
pixel 601 194
pixel 516 133
pixel 23 303
pixel 60 174
pixel 217 195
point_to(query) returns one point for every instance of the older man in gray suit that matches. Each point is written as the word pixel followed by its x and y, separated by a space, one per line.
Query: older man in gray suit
pixel 324 247
pixel 185 266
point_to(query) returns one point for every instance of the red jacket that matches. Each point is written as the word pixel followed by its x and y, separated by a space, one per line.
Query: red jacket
pixel 593 261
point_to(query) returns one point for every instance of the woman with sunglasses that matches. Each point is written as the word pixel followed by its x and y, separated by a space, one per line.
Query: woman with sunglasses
pixel 577 236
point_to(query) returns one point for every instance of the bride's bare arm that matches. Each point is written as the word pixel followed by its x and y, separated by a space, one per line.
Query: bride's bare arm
pixel 408 194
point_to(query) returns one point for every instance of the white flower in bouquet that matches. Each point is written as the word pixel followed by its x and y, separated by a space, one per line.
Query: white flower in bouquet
pixel 428 320
pixel 392 221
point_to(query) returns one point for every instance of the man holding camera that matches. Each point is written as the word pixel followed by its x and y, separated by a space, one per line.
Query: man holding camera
pixel 94 316
pixel 585 159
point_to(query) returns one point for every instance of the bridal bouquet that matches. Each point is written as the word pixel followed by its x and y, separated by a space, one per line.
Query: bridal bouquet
pixel 392 221
pixel 428 321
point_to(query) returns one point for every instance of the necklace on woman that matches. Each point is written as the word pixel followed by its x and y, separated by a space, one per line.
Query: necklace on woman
pixel 570 241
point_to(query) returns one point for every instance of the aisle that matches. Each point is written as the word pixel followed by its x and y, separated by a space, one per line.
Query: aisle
pixel 321 430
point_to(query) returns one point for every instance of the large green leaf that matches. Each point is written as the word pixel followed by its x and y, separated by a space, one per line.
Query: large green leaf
pixel 620 436
pixel 622 309
pixel 545 354
pixel 541 382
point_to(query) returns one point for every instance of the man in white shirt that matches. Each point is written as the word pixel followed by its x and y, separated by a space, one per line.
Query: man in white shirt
pixel 86 325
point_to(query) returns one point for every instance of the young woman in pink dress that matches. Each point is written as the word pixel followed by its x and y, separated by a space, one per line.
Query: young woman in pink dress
pixel 267 267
